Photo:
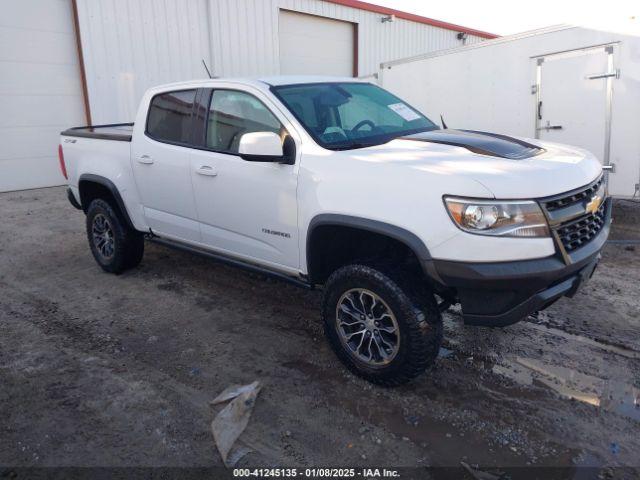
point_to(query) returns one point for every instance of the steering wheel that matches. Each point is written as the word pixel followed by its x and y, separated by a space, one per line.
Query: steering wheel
pixel 362 124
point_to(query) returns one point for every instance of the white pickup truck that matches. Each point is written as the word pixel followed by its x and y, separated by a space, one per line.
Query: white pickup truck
pixel 338 183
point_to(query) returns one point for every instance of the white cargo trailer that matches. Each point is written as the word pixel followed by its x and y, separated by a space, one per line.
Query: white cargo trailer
pixel 563 84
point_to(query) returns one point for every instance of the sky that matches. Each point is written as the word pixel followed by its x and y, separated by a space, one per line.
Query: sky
pixel 507 17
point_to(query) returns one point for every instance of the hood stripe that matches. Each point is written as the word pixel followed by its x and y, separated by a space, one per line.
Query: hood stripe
pixel 482 143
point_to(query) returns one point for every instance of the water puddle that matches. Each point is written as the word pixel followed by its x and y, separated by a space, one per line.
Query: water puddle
pixel 611 395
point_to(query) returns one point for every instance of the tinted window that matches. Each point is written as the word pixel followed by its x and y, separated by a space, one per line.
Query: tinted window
pixel 232 114
pixel 169 117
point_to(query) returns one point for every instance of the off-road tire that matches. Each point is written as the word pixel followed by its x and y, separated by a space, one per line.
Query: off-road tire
pixel 416 312
pixel 128 244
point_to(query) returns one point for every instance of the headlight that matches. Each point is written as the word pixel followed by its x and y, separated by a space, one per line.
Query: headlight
pixel 498 218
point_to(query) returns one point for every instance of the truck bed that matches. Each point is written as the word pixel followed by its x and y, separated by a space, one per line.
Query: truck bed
pixel 120 132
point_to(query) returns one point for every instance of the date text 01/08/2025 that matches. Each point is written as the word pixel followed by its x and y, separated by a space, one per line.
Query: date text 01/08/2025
pixel 315 473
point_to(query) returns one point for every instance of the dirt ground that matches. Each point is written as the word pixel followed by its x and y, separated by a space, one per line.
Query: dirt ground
pixel 103 370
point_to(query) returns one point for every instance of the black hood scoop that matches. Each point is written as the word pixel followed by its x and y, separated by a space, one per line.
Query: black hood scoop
pixel 483 143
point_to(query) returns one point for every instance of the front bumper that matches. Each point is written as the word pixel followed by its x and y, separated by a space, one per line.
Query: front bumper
pixel 502 293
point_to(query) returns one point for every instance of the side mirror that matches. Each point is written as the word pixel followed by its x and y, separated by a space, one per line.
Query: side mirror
pixel 261 147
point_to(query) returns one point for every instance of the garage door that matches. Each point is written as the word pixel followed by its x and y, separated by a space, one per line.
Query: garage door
pixel 40 90
pixel 311 45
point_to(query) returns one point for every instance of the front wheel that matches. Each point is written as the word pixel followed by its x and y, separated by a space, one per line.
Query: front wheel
pixel 378 330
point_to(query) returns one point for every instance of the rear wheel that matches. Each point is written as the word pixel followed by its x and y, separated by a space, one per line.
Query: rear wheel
pixel 114 245
pixel 380 331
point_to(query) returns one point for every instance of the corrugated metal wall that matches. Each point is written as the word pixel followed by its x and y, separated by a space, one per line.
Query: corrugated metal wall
pixel 129 46
pixel 241 25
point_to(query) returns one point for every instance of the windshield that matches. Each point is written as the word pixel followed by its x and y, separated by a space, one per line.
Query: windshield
pixel 346 115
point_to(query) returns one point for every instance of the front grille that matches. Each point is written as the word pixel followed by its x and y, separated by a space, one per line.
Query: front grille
pixel 575 197
pixel 578 232
pixel 569 218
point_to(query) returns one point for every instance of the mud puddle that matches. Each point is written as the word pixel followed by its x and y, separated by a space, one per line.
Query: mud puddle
pixel 556 364
pixel 446 436
pixel 612 395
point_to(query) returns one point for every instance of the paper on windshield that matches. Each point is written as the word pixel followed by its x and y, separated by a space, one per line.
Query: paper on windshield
pixel 404 111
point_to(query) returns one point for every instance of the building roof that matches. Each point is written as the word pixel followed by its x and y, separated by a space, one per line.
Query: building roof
pixel 412 17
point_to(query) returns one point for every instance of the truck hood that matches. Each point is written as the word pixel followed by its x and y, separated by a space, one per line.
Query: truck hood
pixel 509 167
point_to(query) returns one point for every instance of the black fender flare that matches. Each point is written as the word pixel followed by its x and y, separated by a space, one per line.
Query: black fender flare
pixel 410 239
pixel 105 182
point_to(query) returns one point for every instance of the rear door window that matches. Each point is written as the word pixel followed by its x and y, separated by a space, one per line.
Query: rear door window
pixel 169 118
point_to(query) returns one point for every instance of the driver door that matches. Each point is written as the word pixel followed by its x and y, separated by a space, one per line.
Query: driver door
pixel 246 209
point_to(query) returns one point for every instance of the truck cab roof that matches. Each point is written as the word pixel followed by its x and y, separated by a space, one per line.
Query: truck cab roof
pixel 301 79
pixel 273 81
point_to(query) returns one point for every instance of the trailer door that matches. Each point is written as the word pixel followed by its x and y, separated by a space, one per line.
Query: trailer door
pixel 573 103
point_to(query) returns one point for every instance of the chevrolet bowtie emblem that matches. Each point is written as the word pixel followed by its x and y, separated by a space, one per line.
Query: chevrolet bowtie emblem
pixel 593 205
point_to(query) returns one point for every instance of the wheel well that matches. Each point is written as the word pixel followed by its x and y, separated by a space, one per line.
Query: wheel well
pixel 92 189
pixel 332 246
pixel 89 191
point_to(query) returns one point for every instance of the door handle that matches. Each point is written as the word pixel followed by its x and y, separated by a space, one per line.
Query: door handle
pixel 207 170
pixel 540 110
pixel 548 127
pixel 146 159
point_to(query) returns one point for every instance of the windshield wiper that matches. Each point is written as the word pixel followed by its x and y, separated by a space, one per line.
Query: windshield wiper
pixel 355 145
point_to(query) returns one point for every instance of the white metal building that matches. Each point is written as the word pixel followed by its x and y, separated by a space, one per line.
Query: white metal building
pixel 40 90
pixel 563 84
pixel 73 62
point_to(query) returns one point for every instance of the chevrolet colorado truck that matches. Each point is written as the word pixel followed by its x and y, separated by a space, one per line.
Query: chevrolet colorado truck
pixel 337 183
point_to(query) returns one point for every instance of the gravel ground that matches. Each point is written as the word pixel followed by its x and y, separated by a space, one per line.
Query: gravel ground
pixel 117 371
